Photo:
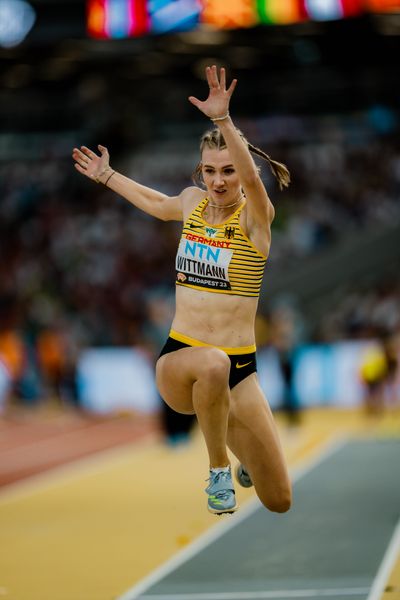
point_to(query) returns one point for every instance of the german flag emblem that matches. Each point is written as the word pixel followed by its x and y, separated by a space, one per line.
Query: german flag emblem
pixel 229 232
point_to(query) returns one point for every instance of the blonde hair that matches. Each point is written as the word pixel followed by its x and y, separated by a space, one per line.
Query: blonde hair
pixel 213 139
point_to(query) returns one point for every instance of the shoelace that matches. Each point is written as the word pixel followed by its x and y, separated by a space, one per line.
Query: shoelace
pixel 215 478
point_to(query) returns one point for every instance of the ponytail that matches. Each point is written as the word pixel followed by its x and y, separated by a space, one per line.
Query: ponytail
pixel 279 170
pixel 214 139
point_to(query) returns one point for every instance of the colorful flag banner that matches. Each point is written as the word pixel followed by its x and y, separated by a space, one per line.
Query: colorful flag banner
pixel 127 18
pixel 352 8
pixel 229 15
pixel 383 5
pixel 96 18
pixel 174 15
pixel 117 18
pixel 139 22
pixel 281 11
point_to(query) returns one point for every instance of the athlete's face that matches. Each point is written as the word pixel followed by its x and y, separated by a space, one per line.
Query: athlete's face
pixel 220 176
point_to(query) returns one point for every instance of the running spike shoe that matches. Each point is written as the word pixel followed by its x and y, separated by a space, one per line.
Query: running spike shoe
pixel 221 493
pixel 243 477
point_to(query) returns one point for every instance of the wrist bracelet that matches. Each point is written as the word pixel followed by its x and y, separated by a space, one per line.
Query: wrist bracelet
pixel 108 178
pixel 220 118
pixel 103 172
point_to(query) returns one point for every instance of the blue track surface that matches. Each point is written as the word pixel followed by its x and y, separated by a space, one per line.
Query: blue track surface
pixel 330 545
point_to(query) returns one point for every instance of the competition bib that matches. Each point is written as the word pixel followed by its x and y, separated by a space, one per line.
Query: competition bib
pixel 203 262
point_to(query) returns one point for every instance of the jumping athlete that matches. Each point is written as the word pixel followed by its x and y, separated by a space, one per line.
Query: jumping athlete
pixel 208 364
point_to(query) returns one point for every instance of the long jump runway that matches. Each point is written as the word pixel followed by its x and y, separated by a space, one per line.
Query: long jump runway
pixel 335 543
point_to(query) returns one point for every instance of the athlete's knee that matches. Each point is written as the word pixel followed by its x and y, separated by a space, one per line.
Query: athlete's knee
pixel 279 501
pixel 214 366
pixel 280 505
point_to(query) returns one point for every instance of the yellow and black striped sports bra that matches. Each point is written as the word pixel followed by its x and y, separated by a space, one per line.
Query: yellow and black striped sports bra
pixel 218 258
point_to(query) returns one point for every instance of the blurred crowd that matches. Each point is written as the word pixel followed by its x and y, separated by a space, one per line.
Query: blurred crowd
pixel 338 188
pixel 81 267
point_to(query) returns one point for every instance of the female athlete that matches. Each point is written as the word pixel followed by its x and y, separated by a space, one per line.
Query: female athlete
pixel 208 364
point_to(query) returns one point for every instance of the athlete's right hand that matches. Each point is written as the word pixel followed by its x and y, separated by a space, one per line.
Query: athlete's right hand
pixel 90 164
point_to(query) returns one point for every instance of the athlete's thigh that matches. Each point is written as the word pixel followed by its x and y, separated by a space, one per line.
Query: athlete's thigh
pixel 253 437
pixel 177 371
pixel 174 378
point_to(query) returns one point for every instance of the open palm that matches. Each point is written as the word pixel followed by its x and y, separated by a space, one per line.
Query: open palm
pixel 217 103
pixel 90 164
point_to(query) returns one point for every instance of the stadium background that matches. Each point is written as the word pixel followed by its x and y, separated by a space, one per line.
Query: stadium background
pixel 81 268
pixel 86 280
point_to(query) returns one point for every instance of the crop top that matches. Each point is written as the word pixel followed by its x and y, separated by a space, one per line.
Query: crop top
pixel 218 258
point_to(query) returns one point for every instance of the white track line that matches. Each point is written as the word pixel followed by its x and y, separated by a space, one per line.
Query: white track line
pixel 386 566
pixel 222 527
pixel 271 595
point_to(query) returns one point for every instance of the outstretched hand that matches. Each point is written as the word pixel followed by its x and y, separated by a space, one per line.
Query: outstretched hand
pixel 217 103
pixel 90 164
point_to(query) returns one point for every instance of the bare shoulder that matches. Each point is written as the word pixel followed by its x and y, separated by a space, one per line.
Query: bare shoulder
pixel 177 208
pixel 190 197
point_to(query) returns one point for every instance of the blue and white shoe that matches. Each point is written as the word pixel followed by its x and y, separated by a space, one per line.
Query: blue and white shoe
pixel 221 493
pixel 243 477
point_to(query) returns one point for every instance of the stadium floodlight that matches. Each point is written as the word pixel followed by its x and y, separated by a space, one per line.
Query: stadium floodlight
pixel 16 20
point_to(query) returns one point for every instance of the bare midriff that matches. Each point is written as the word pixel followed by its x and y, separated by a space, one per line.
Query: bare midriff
pixel 217 319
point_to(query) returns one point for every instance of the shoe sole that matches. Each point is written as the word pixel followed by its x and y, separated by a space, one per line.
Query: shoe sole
pixel 227 511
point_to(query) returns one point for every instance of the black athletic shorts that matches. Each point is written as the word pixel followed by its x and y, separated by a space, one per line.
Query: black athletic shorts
pixel 242 364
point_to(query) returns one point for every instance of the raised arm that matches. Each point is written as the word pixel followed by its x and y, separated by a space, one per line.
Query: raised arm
pixel 97 168
pixel 259 207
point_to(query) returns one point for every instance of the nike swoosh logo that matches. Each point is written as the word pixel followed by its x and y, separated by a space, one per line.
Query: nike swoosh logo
pixel 241 366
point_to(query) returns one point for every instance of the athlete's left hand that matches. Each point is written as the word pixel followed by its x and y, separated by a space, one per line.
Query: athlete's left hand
pixel 217 103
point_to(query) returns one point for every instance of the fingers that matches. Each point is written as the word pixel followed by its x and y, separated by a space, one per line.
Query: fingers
pixel 215 82
pixel 83 159
pixel 83 171
pixel 195 101
pixel 208 76
pixel 231 88
pixel 214 76
pixel 77 153
pixel 85 155
pixel 222 78
pixel 88 152
pixel 87 162
pixel 80 169
pixel 80 158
